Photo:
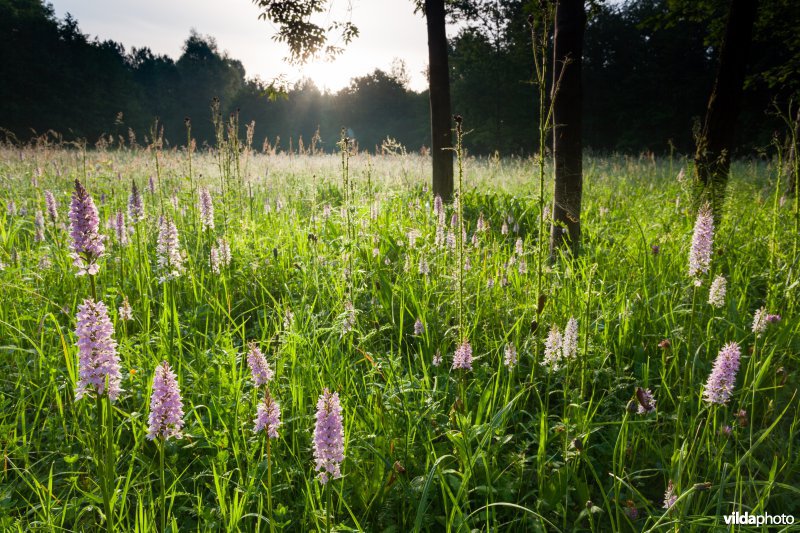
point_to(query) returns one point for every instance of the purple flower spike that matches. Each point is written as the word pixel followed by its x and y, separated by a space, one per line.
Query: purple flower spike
pixel 569 344
pixel 716 294
pixel 463 357
pixel 719 386
pixel 510 358
pixel 52 206
pixel 268 417
pixel 135 204
pixel 98 362
pixel 262 373
pixel 87 243
pixel 170 260
pixel 329 437
pixel 702 240
pixel 166 407
pixel 206 209
pixel 553 348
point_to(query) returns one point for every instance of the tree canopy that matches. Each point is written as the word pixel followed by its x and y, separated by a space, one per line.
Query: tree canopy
pixel 648 69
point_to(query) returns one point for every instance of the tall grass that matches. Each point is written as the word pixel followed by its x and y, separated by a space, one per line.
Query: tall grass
pixel 525 448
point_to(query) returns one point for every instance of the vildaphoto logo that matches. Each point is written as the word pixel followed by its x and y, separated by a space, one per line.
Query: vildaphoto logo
pixel 765 519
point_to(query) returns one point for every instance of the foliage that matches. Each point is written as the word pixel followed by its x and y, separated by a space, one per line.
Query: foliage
pixel 525 448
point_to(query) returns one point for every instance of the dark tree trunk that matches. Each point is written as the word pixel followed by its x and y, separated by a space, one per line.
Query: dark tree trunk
pixel 439 83
pixel 567 146
pixel 715 142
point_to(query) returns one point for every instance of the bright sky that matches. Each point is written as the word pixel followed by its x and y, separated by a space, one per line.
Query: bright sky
pixel 388 29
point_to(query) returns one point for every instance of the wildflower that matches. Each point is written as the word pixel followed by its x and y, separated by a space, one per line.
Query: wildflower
pixel 569 343
pixel 38 224
pixel 135 204
pixel 45 262
pixel 121 229
pixel 451 240
pixel 288 320
pixel 510 358
pixel 760 321
pixel 655 249
pixel 268 417
pixel 719 386
pixel 125 310
pixel 726 431
pixel 716 295
pixel 522 268
pixel 439 239
pixel 741 418
pixel 644 398
pixel 349 317
pixel 98 362
pixel 220 255
pixel 664 344
pixel 463 357
pixel 328 437
pixel 166 406
pixel 170 261
pixel 437 358
pixel 87 243
pixel 438 207
pixel 482 225
pixel 424 269
pixel 206 205
pixel 518 248
pixel 259 367
pixel 151 185
pixel 553 347
pixel 702 240
pixel 52 206
pixel 224 251
pixel 504 228
pixel 11 207
pixel 419 327
pixel 213 260
pixel 669 496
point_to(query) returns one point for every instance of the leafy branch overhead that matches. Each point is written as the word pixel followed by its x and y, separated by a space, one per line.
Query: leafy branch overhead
pixel 307 39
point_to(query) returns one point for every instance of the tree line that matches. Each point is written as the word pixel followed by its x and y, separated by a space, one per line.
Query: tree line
pixel 647 73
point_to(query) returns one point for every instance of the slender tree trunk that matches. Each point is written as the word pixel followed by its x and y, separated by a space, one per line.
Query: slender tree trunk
pixel 715 142
pixel 439 84
pixel 567 146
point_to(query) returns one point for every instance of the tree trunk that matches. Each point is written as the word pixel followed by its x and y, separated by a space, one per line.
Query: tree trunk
pixel 715 142
pixel 439 84
pixel 567 146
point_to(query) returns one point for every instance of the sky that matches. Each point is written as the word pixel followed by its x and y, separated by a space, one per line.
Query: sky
pixel 388 29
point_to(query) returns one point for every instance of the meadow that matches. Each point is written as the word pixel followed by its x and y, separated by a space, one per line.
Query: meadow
pixel 482 386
